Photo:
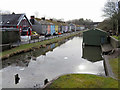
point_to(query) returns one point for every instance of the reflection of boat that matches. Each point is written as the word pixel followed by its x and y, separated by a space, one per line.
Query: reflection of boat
pixel 92 53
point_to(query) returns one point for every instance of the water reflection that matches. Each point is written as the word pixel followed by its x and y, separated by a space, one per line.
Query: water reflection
pixel 92 53
pixel 62 59
pixel 24 58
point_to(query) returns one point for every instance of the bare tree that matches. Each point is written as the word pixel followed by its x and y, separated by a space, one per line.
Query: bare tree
pixel 109 9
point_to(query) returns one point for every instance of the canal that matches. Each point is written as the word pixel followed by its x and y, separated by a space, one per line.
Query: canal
pixel 54 60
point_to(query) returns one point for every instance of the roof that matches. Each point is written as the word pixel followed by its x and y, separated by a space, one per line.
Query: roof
pixel 71 24
pixel 80 25
pixel 54 22
pixel 95 30
pixel 11 19
pixel 43 21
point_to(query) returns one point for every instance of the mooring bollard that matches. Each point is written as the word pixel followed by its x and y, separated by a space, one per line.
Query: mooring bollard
pixel 46 81
pixel 17 79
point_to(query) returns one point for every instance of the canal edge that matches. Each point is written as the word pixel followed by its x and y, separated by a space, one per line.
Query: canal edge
pixel 107 67
pixel 50 82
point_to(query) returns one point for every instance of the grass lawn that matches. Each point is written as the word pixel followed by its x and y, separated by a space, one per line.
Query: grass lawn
pixel 114 64
pixel 84 81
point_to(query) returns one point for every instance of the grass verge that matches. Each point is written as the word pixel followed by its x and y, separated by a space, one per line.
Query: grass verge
pixel 114 64
pixel 84 81
pixel 32 46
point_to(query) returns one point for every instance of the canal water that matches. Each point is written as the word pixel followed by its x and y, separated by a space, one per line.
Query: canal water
pixel 54 60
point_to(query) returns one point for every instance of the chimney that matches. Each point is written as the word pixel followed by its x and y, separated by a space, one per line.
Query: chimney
pixel 51 19
pixel 43 18
pixel 32 19
pixel 13 13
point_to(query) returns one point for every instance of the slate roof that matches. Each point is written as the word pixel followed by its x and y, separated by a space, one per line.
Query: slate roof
pixel 10 19
pixel 44 22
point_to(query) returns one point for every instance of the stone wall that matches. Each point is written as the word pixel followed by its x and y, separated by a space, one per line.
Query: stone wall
pixel 114 42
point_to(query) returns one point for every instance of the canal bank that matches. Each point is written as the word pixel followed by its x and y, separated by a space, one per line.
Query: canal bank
pixel 111 55
pixel 29 47
pixel 111 63
pixel 82 81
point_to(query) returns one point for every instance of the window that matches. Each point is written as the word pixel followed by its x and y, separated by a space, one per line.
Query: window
pixel 25 31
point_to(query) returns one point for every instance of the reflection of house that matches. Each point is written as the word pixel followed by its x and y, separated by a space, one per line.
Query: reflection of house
pixel 94 37
pixel 91 53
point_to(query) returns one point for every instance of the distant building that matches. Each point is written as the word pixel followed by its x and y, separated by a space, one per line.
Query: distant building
pixel 72 27
pixel 80 27
pixel 95 24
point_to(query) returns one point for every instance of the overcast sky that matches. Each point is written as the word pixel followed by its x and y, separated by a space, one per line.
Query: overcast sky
pixel 59 9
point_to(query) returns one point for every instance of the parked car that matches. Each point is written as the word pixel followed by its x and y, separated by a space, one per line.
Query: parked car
pixel 34 35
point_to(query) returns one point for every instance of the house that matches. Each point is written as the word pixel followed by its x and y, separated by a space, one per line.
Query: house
pixel 95 24
pixel 36 26
pixel 95 37
pixel 72 27
pixel 66 28
pixel 54 27
pixel 46 26
pixel 12 26
pixel 80 27
pixel 41 26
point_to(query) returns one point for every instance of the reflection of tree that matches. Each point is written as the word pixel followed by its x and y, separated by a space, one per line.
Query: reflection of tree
pixel 92 53
pixel 19 60
pixel 39 52
pixel 24 58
